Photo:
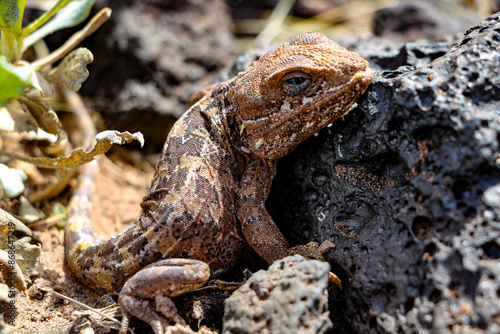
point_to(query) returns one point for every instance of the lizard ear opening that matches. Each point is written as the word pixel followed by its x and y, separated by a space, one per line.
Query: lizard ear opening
pixel 229 96
pixel 296 82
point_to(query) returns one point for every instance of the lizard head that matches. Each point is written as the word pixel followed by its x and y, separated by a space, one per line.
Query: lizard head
pixel 294 91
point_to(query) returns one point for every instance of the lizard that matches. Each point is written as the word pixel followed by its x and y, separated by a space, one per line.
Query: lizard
pixel 207 197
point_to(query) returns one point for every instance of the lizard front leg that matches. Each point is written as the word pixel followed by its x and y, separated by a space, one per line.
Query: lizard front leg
pixel 257 226
pixel 160 281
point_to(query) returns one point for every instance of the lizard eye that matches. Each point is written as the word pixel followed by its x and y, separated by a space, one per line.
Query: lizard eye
pixel 295 82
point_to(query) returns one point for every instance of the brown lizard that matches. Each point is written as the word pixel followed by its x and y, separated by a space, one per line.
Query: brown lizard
pixel 206 200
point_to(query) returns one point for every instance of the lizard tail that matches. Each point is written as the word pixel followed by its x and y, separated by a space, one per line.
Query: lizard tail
pixel 78 230
pixel 92 259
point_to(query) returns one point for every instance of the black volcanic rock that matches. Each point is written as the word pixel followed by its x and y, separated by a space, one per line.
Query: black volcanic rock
pixel 407 186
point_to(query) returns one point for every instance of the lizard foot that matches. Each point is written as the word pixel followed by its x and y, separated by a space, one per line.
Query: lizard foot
pixel 314 252
pixel 160 280
pixel 142 309
pixel 309 251
pixel 166 306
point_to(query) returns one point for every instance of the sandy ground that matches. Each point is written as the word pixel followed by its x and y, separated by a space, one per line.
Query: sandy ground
pixel 116 204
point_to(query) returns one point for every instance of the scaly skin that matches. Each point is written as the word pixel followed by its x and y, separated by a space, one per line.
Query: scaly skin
pixel 207 197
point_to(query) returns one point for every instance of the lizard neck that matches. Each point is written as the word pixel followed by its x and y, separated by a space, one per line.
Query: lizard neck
pixel 220 116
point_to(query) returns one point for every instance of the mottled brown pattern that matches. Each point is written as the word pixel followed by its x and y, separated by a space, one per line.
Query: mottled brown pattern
pixel 207 198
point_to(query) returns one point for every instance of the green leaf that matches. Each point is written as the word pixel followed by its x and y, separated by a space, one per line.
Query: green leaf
pixel 60 210
pixel 72 14
pixel 13 79
pixel 9 12
pixel 44 18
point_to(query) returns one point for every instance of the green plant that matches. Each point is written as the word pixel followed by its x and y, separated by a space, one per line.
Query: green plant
pixel 14 39
pixel 26 89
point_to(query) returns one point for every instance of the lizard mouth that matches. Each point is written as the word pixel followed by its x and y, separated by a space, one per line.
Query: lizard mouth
pixel 338 99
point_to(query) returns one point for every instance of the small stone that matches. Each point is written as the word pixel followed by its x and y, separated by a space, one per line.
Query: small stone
pixel 290 297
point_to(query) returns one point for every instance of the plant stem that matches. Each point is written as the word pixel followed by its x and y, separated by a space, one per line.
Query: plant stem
pixel 8 43
pixel 17 27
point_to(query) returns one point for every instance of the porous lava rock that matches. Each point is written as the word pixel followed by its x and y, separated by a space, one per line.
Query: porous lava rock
pixel 289 297
pixel 407 187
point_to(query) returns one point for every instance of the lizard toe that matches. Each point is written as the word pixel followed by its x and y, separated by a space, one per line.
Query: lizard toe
pixel 142 309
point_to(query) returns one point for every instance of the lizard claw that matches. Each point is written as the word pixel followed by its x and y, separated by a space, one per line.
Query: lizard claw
pixel 335 279
pixel 314 252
